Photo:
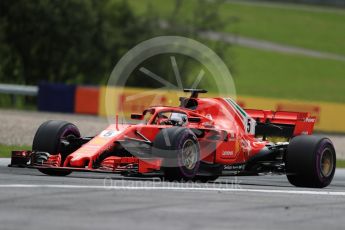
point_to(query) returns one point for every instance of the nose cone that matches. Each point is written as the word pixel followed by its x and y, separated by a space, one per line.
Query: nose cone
pixel 78 161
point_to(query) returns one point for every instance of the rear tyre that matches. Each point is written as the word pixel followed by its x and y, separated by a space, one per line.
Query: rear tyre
pixel 179 148
pixel 310 161
pixel 48 138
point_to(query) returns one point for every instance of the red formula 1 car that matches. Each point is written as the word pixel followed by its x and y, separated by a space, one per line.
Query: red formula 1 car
pixel 200 140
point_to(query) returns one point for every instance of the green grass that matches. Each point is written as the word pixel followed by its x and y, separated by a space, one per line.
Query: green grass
pixel 17 101
pixel 323 31
pixel 276 75
pixel 270 74
pixel 5 150
pixel 340 163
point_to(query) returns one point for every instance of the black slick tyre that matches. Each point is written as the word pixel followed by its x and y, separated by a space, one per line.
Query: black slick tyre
pixel 310 161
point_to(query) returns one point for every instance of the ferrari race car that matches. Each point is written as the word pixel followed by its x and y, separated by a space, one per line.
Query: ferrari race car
pixel 200 140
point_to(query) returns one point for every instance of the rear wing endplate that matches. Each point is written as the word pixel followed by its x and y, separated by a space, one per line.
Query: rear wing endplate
pixel 281 123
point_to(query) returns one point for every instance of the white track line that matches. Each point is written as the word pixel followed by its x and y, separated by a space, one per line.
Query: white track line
pixel 184 189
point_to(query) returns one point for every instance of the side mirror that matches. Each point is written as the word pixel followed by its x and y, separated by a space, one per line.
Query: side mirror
pixel 194 119
pixel 137 116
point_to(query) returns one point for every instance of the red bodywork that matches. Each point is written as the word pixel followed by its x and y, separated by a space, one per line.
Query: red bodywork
pixel 235 130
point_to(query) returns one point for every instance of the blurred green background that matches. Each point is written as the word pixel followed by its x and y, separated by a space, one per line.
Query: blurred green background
pixel 80 41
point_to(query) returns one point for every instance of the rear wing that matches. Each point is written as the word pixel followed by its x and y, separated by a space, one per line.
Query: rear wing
pixel 281 123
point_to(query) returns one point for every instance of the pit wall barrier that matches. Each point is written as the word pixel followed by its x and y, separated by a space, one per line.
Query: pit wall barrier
pixel 123 102
pixel 87 100
pixel 56 97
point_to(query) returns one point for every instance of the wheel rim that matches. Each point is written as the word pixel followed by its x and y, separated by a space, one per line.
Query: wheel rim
pixel 189 154
pixel 326 162
pixel 68 132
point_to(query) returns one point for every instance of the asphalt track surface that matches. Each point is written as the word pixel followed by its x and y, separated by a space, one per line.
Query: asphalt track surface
pixel 31 200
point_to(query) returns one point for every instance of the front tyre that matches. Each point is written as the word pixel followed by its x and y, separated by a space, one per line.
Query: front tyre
pixel 179 148
pixel 48 139
pixel 310 161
